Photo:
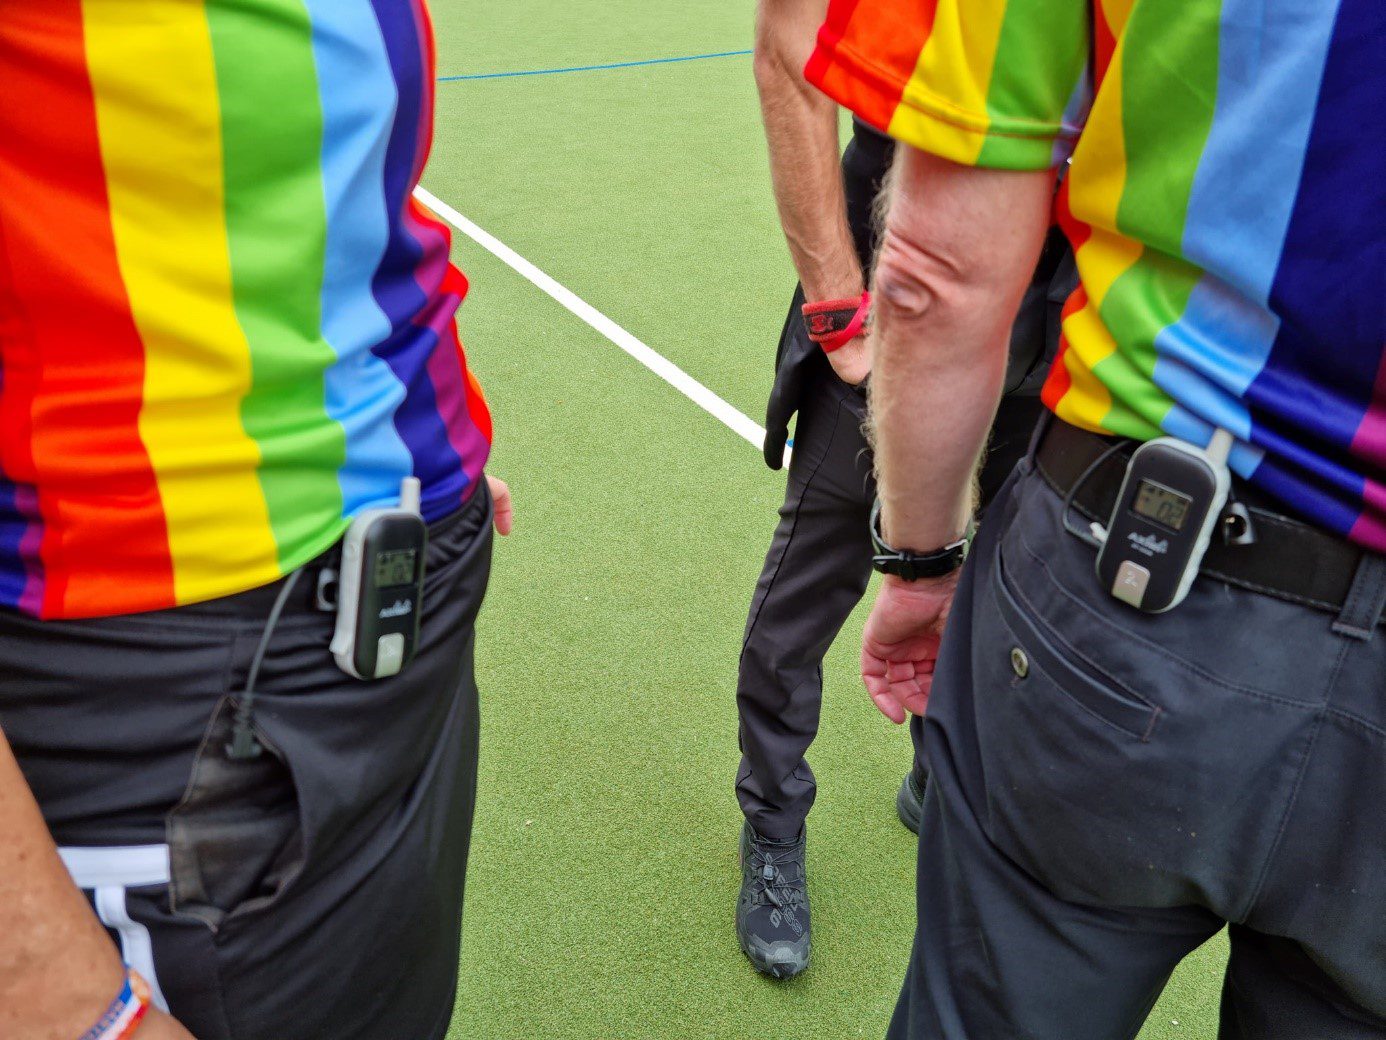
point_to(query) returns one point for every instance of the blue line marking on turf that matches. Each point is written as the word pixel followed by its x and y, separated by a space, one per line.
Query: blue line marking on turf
pixel 594 68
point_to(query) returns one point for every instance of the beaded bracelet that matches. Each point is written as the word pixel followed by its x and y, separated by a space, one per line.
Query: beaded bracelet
pixel 126 1012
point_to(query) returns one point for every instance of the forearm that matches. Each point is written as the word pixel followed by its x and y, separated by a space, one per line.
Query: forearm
pixel 802 133
pixel 58 968
pixel 958 250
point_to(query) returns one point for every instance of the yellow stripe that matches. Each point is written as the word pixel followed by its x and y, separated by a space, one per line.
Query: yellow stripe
pixel 1087 401
pixel 160 124
pixel 1095 190
pixel 957 61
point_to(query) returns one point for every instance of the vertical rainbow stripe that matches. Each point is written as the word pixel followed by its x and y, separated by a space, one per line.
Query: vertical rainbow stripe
pixel 225 325
pixel 1226 201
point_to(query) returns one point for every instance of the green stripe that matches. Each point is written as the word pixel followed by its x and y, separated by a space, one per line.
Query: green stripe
pixel 1169 90
pixel 272 132
pixel 1040 55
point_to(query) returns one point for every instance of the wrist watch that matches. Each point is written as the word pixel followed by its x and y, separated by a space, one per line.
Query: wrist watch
pixel 911 566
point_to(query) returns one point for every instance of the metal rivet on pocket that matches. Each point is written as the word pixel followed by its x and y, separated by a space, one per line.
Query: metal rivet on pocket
pixel 1020 664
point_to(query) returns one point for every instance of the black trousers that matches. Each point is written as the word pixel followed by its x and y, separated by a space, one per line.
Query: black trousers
pixel 313 892
pixel 820 556
pixel 1108 788
pixel 814 575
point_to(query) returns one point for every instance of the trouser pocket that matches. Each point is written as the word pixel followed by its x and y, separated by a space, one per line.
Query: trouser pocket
pixel 235 840
pixel 1120 769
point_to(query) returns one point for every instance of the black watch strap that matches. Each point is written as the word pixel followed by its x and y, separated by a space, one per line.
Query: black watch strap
pixel 911 566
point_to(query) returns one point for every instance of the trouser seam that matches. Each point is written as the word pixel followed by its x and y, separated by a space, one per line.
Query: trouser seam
pixel 1284 824
pixel 793 530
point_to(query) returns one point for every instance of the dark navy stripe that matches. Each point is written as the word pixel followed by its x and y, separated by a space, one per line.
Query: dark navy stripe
pixel 593 68
pixel 396 289
pixel 1321 373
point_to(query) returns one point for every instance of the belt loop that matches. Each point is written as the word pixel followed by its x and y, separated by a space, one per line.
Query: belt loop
pixel 1366 600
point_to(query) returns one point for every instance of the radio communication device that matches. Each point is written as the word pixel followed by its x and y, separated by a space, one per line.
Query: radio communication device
pixel 380 596
pixel 1171 500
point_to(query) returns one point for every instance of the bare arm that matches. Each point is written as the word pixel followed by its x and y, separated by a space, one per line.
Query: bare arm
pixel 959 248
pixel 58 969
pixel 801 129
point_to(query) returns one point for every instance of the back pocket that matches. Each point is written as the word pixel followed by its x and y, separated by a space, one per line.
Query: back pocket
pixel 1067 750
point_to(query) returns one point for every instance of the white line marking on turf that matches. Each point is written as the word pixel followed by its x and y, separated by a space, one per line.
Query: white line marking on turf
pixel 655 362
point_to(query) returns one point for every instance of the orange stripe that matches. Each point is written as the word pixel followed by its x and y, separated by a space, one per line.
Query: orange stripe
pixel 892 33
pixel 97 487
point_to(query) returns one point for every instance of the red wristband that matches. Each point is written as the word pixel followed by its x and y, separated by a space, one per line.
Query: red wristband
pixel 835 323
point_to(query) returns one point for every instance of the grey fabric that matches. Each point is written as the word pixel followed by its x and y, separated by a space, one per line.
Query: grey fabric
pixel 317 890
pixel 1098 811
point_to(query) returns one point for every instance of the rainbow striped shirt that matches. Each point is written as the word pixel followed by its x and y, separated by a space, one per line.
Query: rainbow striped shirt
pixel 1227 202
pixel 226 327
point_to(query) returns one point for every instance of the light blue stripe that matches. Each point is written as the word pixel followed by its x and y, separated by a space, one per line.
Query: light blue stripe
pixel 358 99
pixel 594 68
pixel 1242 200
pixel 1075 117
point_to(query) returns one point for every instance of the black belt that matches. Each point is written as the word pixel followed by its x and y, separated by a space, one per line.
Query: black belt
pixel 1286 558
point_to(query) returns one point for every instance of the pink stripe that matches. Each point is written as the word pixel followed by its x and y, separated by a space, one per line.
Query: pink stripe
pixel 30 547
pixel 450 385
pixel 434 245
pixel 1369 442
pixel 1370 529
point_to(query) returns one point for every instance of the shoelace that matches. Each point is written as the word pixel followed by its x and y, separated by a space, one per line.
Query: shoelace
pixel 770 884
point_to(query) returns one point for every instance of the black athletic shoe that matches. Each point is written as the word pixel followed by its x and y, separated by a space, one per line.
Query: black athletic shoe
pixel 772 915
pixel 909 801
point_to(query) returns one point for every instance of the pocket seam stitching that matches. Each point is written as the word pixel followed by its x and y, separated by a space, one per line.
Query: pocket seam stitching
pixel 1153 711
pixel 1191 669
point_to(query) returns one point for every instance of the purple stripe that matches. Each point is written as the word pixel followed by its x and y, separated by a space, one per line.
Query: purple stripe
pixel 1319 488
pixel 1319 379
pixel 450 386
pixel 30 550
pixel 395 286
pixel 21 538
pixel 13 527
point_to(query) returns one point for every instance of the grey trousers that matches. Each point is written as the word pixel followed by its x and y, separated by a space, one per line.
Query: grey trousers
pixel 814 575
pixel 1109 788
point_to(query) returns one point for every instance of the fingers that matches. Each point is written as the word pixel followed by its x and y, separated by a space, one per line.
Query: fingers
pixel 898 701
pixel 889 707
pixel 899 671
pixel 897 688
pixel 505 509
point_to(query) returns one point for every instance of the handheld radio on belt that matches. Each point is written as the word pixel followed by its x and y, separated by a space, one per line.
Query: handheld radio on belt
pixel 1170 502
pixel 381 593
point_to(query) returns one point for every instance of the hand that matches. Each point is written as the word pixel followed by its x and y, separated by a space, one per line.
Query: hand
pixel 505 508
pixel 852 361
pixel 159 1026
pixel 900 646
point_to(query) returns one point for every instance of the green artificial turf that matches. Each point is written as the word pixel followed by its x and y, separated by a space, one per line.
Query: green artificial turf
pixel 603 877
